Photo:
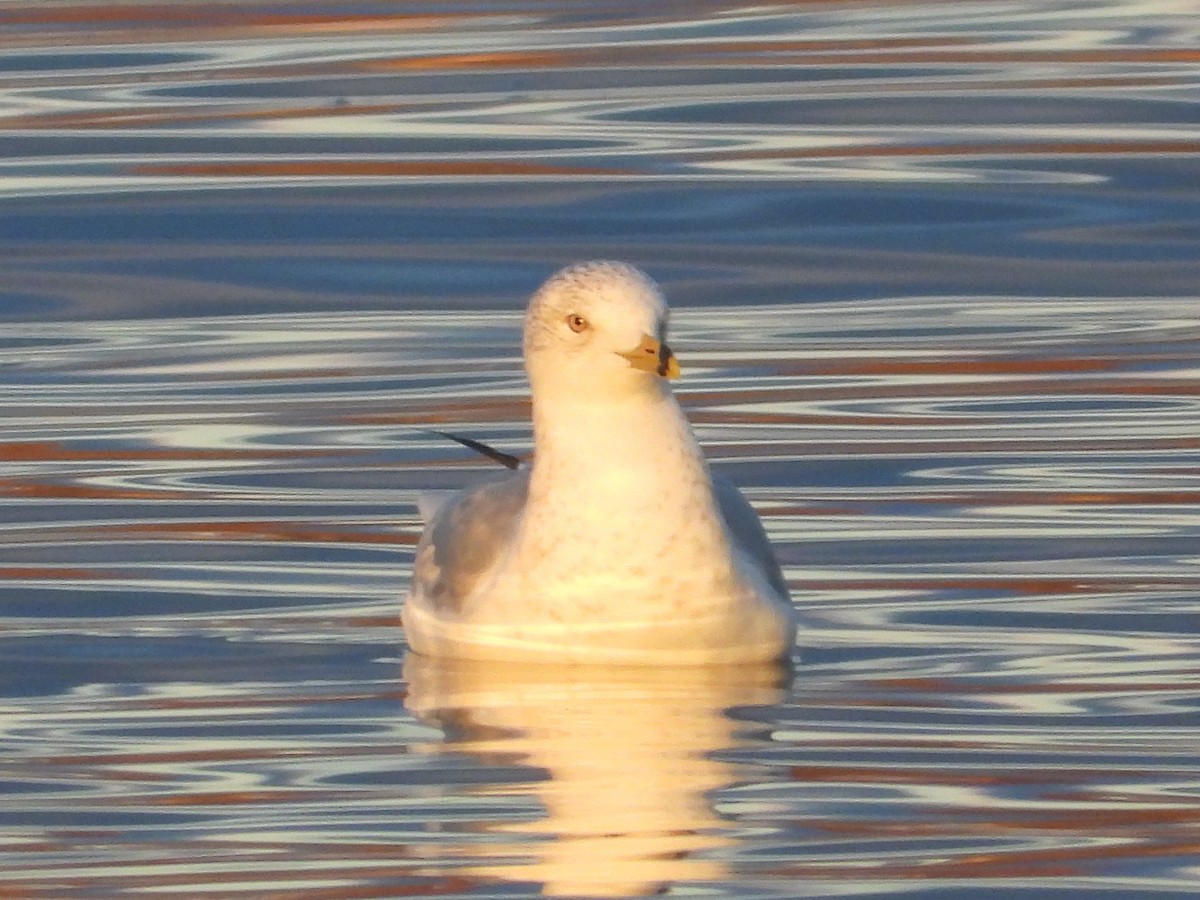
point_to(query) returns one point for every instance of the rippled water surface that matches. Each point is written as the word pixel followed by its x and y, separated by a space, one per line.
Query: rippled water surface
pixel 935 277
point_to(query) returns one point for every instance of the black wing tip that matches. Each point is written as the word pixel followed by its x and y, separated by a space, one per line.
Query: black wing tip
pixel 505 459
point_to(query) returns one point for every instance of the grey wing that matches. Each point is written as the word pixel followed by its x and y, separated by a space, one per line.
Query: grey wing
pixel 747 530
pixel 465 538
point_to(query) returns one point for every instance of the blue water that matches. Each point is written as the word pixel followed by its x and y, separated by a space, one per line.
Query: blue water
pixel 933 271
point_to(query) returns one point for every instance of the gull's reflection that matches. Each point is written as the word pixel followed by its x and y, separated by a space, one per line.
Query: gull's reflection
pixel 628 752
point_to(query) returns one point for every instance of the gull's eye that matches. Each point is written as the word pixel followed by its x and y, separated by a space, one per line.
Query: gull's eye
pixel 577 323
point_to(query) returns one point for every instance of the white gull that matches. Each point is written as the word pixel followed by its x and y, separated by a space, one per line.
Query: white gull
pixel 618 545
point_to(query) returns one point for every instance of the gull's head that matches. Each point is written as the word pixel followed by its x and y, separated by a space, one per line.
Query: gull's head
pixel 598 327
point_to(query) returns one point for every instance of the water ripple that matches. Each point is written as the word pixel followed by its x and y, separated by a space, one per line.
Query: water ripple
pixel 993 651
pixel 933 271
pixel 711 95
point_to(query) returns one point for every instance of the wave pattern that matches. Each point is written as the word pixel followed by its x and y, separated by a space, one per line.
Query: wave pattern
pixel 933 270
pixel 994 551
pixel 267 96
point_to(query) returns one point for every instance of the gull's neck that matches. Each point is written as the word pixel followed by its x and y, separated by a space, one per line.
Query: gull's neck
pixel 625 472
pixel 617 440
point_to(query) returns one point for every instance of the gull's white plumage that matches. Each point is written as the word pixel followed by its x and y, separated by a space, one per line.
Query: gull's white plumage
pixel 618 545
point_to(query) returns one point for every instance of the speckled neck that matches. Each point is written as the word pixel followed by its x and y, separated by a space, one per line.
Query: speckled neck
pixel 629 477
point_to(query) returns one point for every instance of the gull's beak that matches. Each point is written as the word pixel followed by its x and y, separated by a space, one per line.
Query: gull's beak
pixel 652 355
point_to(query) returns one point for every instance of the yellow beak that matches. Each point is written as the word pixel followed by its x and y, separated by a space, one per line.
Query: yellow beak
pixel 652 355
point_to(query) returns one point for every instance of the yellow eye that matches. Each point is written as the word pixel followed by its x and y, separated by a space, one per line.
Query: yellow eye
pixel 576 322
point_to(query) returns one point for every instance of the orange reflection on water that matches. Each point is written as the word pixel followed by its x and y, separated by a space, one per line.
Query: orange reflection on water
pixel 267 530
pixel 628 762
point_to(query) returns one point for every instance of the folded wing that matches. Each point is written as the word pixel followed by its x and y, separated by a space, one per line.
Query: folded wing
pixel 465 539
pixel 747 530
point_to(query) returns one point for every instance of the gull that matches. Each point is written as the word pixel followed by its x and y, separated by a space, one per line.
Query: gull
pixel 618 545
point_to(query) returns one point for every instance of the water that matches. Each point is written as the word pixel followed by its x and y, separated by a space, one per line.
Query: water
pixel 934 271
